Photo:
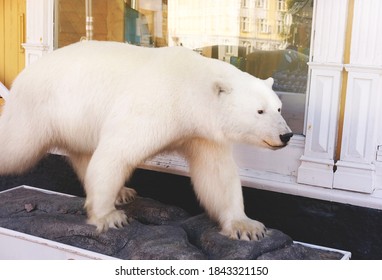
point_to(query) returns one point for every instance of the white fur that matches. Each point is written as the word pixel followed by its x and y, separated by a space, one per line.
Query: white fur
pixel 111 106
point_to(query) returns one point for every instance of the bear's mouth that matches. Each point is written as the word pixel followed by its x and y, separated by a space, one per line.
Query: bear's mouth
pixel 274 147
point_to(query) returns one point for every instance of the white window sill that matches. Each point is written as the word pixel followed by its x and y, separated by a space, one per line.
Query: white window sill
pixel 273 182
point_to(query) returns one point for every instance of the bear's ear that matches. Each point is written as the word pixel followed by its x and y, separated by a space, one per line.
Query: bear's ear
pixel 221 86
pixel 269 82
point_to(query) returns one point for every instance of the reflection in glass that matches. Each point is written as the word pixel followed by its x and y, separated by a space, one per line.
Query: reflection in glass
pixel 266 38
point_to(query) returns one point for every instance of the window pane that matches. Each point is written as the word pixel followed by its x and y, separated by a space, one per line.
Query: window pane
pixel 70 18
pixel 266 38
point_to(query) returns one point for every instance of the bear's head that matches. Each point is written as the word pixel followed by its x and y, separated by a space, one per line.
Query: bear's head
pixel 252 112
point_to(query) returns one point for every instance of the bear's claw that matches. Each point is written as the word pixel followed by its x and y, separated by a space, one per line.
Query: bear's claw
pixel 245 229
pixel 115 219
pixel 125 195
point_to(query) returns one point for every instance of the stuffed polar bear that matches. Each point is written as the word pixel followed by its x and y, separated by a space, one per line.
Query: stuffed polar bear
pixel 111 106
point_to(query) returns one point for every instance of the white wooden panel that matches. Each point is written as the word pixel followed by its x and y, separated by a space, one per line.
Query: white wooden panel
pixel 326 66
pixel 322 118
pixel 356 177
pixel 34 52
pixel 39 22
pixel 358 121
pixel 330 24
pixel 366 48
pixel 318 160
pixel 359 141
pixel 316 172
pixel 356 168
pixel 39 38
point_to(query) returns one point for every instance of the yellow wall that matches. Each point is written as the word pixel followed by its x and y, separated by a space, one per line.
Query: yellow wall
pixel 12 35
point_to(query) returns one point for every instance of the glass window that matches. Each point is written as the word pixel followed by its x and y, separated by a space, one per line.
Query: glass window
pixel 70 19
pixel 266 38
pixel 281 5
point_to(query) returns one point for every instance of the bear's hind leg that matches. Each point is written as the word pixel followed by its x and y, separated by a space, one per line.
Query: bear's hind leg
pixel 218 187
pixel 22 145
pixel 80 164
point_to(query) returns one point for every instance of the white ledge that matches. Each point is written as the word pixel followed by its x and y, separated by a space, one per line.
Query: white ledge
pixel 273 182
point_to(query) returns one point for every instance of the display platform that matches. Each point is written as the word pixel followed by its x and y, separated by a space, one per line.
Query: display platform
pixel 41 224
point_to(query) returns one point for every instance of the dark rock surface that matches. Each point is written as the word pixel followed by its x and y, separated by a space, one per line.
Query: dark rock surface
pixel 205 235
pixel 158 231
pixel 300 252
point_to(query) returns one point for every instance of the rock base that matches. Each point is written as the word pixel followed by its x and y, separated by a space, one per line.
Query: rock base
pixel 158 231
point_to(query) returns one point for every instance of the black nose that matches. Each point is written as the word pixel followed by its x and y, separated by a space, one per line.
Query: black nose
pixel 286 137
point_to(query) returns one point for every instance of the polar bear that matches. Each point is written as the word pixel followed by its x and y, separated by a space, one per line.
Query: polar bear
pixel 111 106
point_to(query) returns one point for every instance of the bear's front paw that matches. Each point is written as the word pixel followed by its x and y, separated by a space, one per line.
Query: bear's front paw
pixel 125 195
pixel 115 219
pixel 245 229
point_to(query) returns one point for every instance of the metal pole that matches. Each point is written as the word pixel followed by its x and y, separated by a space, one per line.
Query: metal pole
pixel 89 20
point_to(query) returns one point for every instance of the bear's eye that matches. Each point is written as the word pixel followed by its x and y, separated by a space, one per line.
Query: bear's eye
pixel 279 109
pixel 260 112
